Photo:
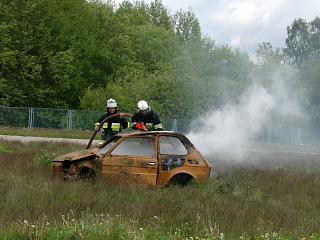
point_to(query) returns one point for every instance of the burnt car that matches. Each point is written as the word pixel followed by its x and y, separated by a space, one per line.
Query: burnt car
pixel 156 158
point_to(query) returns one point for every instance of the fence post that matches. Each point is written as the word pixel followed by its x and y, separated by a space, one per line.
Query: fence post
pixel 300 136
pixel 31 117
pixel 174 125
pixel 69 120
pixel 269 135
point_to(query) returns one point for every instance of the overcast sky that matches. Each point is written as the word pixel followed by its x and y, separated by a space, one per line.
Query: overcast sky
pixel 246 23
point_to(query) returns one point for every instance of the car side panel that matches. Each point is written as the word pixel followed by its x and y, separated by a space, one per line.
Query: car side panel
pixel 126 169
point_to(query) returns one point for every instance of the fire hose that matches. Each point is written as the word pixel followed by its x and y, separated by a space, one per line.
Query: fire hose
pixel 121 115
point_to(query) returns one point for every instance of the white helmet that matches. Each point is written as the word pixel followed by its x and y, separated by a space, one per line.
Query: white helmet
pixel 143 105
pixel 111 103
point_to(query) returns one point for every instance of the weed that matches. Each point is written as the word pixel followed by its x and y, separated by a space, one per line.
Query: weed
pixel 44 160
pixel 4 149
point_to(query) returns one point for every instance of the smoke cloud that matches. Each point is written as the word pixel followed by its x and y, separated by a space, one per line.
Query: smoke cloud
pixel 230 131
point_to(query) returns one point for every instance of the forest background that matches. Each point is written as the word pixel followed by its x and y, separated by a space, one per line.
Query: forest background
pixel 76 54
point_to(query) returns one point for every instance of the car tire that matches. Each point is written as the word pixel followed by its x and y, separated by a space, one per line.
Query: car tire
pixel 181 179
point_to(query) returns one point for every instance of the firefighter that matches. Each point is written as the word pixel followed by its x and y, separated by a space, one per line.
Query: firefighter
pixel 112 126
pixel 145 119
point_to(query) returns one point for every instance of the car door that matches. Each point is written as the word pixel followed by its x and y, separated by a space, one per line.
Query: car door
pixel 133 160
pixel 172 157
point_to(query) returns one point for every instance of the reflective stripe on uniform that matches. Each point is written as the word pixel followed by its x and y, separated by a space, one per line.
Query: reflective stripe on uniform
pixel 158 126
pixel 115 127
pixel 105 125
pixel 149 125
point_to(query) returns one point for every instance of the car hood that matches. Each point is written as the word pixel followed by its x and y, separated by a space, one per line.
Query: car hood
pixel 73 156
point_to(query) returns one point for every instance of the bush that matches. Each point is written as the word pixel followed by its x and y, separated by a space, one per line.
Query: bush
pixel 44 160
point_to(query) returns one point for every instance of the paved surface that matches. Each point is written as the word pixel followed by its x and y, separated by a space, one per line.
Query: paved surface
pixel 44 139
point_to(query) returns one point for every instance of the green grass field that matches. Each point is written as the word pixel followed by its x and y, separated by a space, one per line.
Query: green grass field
pixel 244 203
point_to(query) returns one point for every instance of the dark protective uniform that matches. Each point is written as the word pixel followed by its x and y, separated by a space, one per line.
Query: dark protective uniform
pixel 112 126
pixel 150 120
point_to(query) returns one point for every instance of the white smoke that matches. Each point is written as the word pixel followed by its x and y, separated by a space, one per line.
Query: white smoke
pixel 232 129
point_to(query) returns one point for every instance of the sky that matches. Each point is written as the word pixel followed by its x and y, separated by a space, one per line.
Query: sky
pixel 246 23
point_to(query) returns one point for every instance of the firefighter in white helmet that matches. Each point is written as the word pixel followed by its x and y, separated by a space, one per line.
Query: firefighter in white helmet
pixel 112 126
pixel 145 119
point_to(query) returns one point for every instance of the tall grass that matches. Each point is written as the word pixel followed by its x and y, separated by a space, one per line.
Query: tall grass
pixel 245 203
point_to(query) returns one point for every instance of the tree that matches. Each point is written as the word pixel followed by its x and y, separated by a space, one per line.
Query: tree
pixel 310 78
pixel 266 55
pixel 187 26
pixel 303 39
pixel 78 53
pixel 159 15
pixel 6 53
pixel 93 99
pixel 315 34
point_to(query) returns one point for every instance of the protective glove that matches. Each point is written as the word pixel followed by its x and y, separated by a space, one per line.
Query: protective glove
pixel 141 127
pixel 97 127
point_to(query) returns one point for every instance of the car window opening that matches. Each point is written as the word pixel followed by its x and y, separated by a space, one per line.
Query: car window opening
pixel 135 146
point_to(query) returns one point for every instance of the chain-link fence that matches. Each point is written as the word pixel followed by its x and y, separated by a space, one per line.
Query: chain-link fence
pixel 290 135
pixel 63 119
pixel 84 120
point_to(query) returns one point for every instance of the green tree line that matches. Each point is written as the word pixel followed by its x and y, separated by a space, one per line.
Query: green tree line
pixel 77 53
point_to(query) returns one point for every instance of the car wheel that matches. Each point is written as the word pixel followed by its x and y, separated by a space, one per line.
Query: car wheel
pixel 181 179
pixel 87 174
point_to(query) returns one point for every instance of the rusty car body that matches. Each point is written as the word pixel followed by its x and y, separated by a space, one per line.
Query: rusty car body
pixel 156 158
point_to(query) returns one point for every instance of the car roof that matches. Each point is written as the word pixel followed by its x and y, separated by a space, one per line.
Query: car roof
pixel 140 133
